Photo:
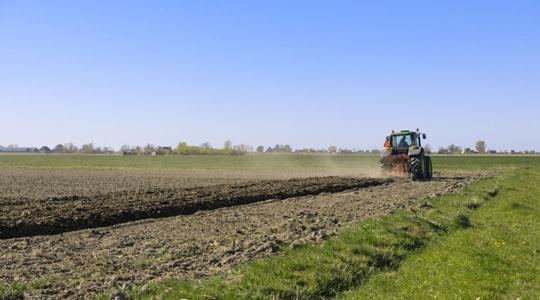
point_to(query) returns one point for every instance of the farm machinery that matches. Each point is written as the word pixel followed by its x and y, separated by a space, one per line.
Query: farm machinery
pixel 404 155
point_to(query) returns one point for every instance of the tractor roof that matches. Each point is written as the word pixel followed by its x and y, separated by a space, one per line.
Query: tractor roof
pixel 404 132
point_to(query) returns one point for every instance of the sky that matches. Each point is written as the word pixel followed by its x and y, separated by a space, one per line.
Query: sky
pixel 304 73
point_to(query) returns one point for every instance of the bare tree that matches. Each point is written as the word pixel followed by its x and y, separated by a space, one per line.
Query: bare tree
pixel 481 146
pixel 228 144
pixel 332 149
pixel 70 148
pixel 260 148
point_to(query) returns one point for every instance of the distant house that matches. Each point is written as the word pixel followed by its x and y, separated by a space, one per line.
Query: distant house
pixel 129 152
pixel 469 151
pixel 19 150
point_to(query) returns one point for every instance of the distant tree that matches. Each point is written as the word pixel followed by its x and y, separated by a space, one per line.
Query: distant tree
pixel 228 144
pixel 345 151
pixel 87 148
pixel 260 149
pixel 59 149
pixel 443 150
pixel 481 146
pixel 45 149
pixel 242 148
pixel 269 149
pixel 281 148
pixel 454 149
pixel 375 151
pixel 108 150
pixel 70 148
pixel 149 149
pixel 206 145
pixel 332 149
pixel 138 150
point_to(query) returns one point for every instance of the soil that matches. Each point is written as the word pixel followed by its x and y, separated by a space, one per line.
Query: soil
pixel 211 240
pixel 22 217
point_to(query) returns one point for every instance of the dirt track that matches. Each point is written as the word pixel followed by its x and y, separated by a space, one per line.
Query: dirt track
pixel 76 264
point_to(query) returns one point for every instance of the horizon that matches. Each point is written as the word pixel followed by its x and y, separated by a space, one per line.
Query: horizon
pixel 307 74
pixel 253 147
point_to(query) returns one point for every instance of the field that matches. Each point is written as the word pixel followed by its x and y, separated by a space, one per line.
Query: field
pixel 75 226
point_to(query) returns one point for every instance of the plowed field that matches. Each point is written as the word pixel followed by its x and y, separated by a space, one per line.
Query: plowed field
pixel 72 233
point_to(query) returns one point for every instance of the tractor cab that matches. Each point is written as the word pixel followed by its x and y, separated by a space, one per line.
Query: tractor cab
pixel 403 141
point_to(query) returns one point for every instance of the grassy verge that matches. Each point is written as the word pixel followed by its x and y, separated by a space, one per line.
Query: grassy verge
pixel 343 262
pixel 498 257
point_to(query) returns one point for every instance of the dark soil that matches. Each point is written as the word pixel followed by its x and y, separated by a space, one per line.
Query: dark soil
pixel 26 216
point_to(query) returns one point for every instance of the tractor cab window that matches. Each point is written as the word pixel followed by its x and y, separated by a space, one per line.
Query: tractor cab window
pixel 402 141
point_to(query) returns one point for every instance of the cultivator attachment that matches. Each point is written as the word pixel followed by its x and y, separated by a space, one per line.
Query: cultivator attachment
pixel 396 165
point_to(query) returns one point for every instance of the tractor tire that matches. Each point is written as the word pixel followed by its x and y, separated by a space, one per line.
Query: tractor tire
pixel 430 168
pixel 416 168
pixel 427 167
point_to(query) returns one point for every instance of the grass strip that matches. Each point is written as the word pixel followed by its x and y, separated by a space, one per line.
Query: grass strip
pixel 498 257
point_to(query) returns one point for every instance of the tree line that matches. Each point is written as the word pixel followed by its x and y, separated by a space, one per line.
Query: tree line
pixel 479 148
pixel 183 148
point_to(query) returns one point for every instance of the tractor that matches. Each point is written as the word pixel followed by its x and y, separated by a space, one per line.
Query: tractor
pixel 404 155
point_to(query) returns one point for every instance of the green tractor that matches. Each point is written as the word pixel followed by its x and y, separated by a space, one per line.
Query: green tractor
pixel 404 155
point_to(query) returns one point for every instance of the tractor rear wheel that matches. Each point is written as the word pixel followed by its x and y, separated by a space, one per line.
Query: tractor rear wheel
pixel 430 168
pixel 416 167
pixel 427 167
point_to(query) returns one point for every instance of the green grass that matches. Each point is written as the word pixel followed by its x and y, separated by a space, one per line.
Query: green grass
pixel 497 258
pixel 16 290
pixel 477 163
pixel 483 242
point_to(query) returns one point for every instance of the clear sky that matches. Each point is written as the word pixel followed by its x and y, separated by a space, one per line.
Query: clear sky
pixel 306 73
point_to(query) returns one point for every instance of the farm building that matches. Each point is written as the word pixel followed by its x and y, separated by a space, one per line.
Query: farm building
pixel 19 149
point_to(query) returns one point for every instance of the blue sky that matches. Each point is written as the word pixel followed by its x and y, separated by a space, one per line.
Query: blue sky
pixel 306 73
